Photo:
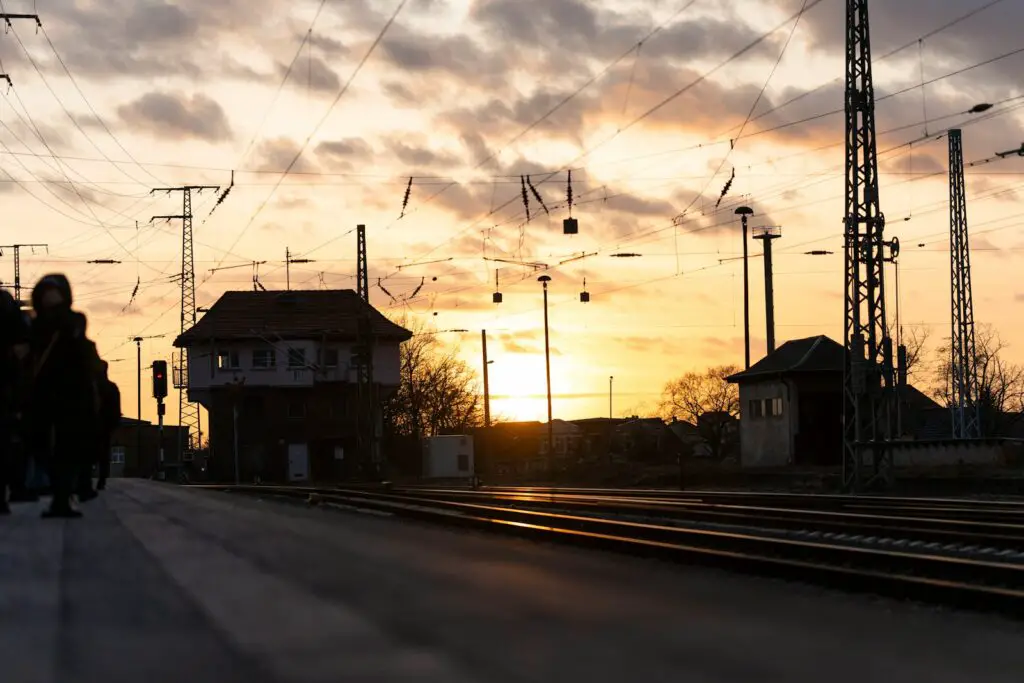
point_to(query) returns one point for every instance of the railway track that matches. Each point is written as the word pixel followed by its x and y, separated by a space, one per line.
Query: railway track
pixel 918 557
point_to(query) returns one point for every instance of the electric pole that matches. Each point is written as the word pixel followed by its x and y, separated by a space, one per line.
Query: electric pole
pixel 868 377
pixel 744 212
pixel 188 412
pixel 288 261
pixel 964 360
pixel 487 383
pixel 138 386
pixel 367 423
pixel 768 234
pixel 17 263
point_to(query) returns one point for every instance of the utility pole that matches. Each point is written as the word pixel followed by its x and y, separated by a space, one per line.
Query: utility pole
pixel 288 261
pixel 17 260
pixel 138 386
pixel 487 384
pixel 868 377
pixel 545 279
pixel 367 423
pixel 743 212
pixel 188 412
pixel 964 360
pixel 611 378
pixel 768 234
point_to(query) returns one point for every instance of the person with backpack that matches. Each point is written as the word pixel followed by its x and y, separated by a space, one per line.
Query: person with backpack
pixel 63 402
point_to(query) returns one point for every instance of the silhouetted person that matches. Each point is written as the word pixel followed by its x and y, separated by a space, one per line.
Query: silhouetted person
pixel 13 346
pixel 92 457
pixel 110 419
pixel 63 406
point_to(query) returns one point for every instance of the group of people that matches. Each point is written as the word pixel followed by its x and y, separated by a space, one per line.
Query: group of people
pixel 58 407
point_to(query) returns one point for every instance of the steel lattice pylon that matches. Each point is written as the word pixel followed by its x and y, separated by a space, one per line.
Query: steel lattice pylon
pixel 188 412
pixel 366 426
pixel 964 360
pixel 868 378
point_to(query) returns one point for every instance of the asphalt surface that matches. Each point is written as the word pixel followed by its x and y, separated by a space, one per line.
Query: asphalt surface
pixel 160 583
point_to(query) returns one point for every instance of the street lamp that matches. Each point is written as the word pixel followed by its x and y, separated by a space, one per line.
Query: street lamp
pixel 611 379
pixel 743 212
pixel 544 280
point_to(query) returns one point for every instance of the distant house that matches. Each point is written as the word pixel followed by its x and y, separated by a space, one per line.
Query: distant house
pixel 277 373
pixel 647 439
pixel 135 447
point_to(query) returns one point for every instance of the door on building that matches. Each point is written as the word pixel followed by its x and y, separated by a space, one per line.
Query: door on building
pixel 298 462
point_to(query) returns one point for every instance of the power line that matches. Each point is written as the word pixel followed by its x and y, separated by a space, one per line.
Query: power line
pixel 330 109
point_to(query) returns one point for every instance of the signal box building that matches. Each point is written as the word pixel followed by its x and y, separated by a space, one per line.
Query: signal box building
pixel 277 373
pixel 791 405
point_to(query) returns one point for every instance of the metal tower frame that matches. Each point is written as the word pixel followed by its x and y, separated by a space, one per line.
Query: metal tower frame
pixel 188 412
pixel 868 377
pixel 964 360
pixel 366 428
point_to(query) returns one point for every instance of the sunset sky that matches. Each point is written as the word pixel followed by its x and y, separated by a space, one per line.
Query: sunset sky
pixel 465 96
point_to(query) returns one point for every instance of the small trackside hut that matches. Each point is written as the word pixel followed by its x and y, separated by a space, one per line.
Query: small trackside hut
pixel 791 405
pixel 276 371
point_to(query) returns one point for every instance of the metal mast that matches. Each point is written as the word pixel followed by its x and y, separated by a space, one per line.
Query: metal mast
pixel 17 266
pixel 964 360
pixel 868 377
pixel 188 412
pixel 367 422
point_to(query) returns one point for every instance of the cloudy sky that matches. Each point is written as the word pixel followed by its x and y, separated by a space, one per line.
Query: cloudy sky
pixel 646 101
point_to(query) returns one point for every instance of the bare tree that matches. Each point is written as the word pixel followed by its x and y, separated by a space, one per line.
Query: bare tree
pixel 706 400
pixel 916 340
pixel 1000 383
pixel 437 392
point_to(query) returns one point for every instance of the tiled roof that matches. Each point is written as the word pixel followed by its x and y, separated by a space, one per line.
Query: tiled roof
pixel 812 354
pixel 296 314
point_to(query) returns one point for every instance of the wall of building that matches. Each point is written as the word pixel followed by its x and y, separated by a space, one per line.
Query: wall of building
pixel 940 453
pixel 204 372
pixel 144 462
pixel 322 417
pixel 767 441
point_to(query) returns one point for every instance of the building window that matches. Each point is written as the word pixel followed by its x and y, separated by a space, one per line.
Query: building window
pixel 228 360
pixel 756 408
pixel 117 455
pixel 264 359
pixel 773 407
pixel 463 462
pixel 330 358
pixel 296 358
pixel 296 409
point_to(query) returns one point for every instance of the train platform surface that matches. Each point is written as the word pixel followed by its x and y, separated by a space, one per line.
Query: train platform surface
pixel 163 583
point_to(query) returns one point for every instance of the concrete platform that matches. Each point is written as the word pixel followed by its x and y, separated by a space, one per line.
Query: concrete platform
pixel 159 583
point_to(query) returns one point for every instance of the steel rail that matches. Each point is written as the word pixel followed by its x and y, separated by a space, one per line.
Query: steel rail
pixel 972 583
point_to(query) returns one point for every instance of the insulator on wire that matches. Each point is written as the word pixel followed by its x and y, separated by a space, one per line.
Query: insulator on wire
pixel 405 199
pixel 536 195
pixel 570 226
pixel 725 190
pixel 526 198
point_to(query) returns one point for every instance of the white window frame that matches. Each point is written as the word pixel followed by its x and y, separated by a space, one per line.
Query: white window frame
pixel 301 353
pixel 270 354
pixel 331 357
pixel 234 361
pixel 117 454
